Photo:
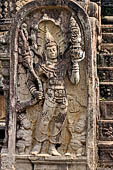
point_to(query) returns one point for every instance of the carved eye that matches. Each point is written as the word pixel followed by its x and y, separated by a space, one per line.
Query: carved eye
pixel 53 49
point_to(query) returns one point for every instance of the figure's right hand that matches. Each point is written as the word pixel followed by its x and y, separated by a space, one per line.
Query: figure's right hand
pixel 25 42
pixel 38 95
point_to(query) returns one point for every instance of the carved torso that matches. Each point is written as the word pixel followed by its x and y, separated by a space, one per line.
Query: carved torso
pixel 55 74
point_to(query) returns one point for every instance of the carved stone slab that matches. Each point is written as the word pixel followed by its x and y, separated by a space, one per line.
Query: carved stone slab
pixel 49 162
pixel 35 21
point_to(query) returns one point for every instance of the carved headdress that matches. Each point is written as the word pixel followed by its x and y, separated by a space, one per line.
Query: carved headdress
pixel 48 33
pixel 49 39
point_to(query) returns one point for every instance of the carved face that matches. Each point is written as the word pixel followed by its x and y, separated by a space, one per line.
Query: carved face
pixel 51 52
pixel 26 123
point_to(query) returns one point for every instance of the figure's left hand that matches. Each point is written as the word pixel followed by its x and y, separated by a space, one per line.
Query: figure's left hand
pixel 75 77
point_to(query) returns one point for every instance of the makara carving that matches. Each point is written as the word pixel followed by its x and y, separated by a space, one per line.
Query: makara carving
pixel 47 60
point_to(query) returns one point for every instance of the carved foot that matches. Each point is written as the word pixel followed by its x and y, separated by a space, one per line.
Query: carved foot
pixel 53 151
pixel 36 149
pixel 67 154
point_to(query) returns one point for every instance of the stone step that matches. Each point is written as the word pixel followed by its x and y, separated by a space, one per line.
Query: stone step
pixel 107 48
pixel 107 28
pixel 106 102
pixel 105 132
pixel 105 68
pixel 106 83
pixel 107 37
pixel 107 20
pixel 106 121
pixel 3 55
pixel 105 143
pixel 108 3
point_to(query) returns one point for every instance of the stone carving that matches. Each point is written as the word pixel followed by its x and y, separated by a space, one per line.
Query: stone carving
pixel 3 43
pixel 4 162
pixel 3 9
pixel 1 77
pixel 46 80
pixel 21 3
pixel 77 142
pixel 105 154
pixel 92 10
pixel 106 131
pixel 24 135
pixel 105 60
pixel 2 106
pixel 106 92
pixel 106 110
pixel 105 75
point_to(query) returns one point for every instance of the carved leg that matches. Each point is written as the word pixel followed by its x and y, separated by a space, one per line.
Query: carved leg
pixel 53 151
pixel 21 150
pixel 27 149
pixel 79 152
pixel 21 147
pixel 36 149
pixel 43 130
pixel 56 125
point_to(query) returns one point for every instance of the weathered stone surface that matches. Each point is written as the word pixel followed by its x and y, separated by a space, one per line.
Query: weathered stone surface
pixel 47 40
pixel 40 26
pixel 2 106
pixel 108 19
pixel 105 68
pixel 79 133
pixel 107 37
pixel 54 163
pixel 107 28
pixel 106 110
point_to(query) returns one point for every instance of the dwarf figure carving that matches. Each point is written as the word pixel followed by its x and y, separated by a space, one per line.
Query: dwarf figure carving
pixel 78 136
pixel 24 135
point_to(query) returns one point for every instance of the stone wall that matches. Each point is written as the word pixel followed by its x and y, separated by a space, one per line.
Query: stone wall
pixel 79 132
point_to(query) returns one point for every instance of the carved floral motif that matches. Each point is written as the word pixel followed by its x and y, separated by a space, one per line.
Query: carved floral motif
pixel 21 3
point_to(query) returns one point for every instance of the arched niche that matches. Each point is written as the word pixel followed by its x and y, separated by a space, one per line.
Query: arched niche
pixel 82 19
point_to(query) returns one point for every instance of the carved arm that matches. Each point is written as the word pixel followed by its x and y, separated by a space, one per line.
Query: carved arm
pixel 75 77
pixel 28 60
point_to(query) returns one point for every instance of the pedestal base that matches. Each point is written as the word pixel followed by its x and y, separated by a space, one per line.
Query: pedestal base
pixel 25 162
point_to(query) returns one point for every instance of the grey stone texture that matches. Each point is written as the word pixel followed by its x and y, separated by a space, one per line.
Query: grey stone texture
pixel 54 163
